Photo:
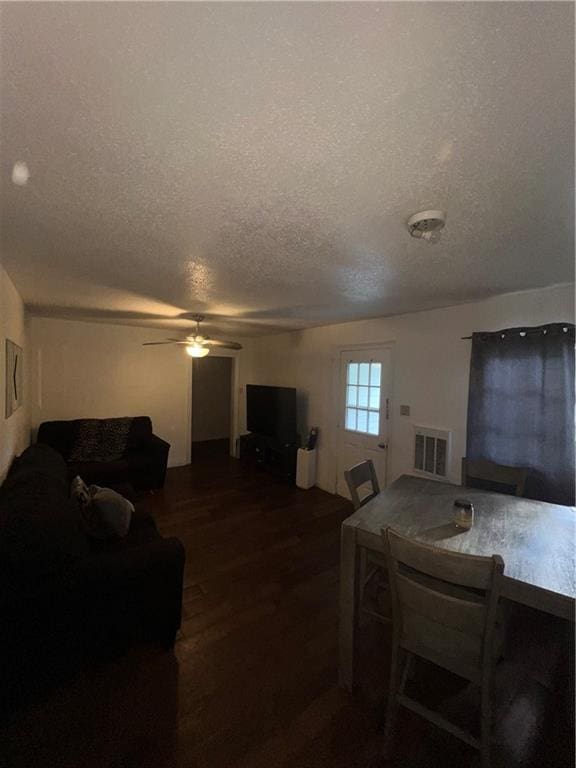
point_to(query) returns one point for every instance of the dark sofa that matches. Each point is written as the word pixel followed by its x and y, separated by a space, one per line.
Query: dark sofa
pixel 143 463
pixel 65 598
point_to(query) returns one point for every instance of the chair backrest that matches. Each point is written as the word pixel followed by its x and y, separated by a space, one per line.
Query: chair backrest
pixel 357 476
pixel 488 476
pixel 444 603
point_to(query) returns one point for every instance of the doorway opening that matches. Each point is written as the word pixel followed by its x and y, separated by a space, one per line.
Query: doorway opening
pixel 211 426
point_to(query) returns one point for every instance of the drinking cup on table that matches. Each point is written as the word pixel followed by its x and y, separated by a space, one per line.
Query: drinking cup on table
pixel 463 514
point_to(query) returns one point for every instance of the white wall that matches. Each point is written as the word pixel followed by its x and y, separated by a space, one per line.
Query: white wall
pixel 83 369
pixel 15 431
pixel 431 367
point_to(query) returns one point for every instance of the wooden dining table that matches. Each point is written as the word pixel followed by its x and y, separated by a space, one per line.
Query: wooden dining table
pixel 535 539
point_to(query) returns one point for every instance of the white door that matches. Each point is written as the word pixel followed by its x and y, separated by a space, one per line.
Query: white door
pixel 365 381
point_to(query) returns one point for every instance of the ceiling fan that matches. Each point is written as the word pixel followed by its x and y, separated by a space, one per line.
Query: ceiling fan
pixel 196 344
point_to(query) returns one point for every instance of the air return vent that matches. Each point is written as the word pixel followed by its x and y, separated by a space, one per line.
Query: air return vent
pixel 431 452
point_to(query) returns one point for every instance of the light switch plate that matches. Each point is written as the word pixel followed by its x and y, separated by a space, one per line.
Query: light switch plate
pixel 404 410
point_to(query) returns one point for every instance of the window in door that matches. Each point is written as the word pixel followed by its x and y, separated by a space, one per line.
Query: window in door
pixel 363 385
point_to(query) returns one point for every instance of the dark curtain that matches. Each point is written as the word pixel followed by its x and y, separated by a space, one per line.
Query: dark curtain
pixel 521 406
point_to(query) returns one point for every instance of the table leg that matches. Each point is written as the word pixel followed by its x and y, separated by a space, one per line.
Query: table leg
pixel 348 604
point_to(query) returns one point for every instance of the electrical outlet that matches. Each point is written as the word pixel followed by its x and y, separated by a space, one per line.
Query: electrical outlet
pixel 404 410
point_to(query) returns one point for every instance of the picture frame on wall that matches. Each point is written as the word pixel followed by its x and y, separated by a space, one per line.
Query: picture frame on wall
pixel 14 377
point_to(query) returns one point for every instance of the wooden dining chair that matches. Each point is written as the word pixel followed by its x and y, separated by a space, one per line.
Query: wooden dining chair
pixel 444 610
pixel 488 476
pixel 359 475
pixel 373 576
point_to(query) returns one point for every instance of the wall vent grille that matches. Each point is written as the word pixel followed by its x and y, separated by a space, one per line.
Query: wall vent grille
pixel 431 452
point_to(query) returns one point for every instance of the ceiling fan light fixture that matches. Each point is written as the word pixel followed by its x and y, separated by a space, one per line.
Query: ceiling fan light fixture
pixel 195 344
pixel 197 350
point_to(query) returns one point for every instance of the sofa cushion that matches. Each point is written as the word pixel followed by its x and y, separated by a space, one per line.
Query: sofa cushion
pixel 139 460
pixel 41 531
pixel 60 435
pixel 100 472
pixel 140 432
pixel 37 460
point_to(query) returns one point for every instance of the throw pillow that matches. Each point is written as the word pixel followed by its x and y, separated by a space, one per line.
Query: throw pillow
pixel 101 440
pixel 112 511
pixel 106 513
pixel 80 492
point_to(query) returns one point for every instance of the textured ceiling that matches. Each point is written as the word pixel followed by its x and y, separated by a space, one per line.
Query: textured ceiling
pixel 258 162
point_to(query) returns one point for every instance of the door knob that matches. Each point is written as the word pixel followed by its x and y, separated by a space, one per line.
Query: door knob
pixel 382 445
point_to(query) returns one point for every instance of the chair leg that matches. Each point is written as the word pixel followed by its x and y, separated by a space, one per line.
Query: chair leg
pixel 361 584
pixel 398 671
pixel 486 722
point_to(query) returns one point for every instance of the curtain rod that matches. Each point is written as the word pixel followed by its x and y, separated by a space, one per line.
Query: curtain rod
pixel 524 331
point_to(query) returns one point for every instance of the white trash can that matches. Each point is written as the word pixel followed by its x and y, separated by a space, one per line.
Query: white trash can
pixel 306 468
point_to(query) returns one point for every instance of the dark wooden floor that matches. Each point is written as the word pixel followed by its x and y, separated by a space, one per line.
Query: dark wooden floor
pixel 208 449
pixel 252 681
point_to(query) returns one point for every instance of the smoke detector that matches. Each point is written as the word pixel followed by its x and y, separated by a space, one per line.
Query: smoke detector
pixel 426 225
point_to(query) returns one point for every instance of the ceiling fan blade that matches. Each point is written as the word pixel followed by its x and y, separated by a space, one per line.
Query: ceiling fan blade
pixel 198 340
pixel 223 344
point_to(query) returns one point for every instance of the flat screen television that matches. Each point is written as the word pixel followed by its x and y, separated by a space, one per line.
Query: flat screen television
pixel 271 411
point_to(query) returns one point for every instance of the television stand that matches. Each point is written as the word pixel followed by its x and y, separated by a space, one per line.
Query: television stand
pixel 275 456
